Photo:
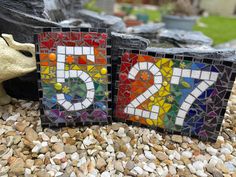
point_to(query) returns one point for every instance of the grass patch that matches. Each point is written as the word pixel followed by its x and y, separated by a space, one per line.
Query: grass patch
pixel 220 29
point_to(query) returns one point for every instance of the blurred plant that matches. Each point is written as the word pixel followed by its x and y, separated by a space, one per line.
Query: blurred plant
pixel 166 9
pixel 91 5
pixel 127 9
pixel 178 7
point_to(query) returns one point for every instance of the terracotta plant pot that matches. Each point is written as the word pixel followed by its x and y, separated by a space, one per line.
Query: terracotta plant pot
pixel 130 23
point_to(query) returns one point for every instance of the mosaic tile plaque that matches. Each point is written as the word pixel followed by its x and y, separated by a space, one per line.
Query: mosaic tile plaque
pixel 174 93
pixel 74 70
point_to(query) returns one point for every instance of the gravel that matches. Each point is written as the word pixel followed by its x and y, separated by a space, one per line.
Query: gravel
pixel 112 150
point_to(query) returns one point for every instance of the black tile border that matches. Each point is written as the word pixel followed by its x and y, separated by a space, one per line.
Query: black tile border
pixel 117 55
pixel 45 122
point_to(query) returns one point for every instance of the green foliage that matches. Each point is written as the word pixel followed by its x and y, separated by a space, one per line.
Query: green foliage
pixel 154 15
pixel 220 29
pixel 166 9
pixel 91 5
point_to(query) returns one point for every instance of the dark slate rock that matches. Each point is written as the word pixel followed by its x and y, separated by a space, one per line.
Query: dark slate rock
pixel 228 54
pixel 230 44
pixel 120 40
pixel 21 25
pixel 35 7
pixel 146 29
pixel 102 21
pixel 185 37
pixel 23 19
pixel 62 9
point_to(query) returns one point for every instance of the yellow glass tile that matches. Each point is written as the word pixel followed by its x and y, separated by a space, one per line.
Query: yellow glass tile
pixel 67 68
pixel 158 64
pixel 75 67
pixel 45 69
pixel 160 123
pixel 166 107
pixel 90 67
pixel 97 75
pixel 149 122
pixel 165 60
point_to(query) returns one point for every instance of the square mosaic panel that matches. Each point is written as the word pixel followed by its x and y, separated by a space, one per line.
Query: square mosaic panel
pixel 74 70
pixel 173 93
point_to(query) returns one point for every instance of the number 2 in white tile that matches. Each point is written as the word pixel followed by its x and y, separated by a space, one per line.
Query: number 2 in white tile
pixel 132 107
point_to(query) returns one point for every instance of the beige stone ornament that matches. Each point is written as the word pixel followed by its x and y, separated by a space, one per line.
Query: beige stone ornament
pixel 13 63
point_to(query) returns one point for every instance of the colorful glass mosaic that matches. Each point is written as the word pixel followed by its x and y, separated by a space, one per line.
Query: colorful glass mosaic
pixel 74 68
pixel 174 93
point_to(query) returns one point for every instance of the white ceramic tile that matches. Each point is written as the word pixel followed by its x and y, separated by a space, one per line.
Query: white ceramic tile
pixel 155 109
pixel 181 113
pixel 78 50
pixel 91 58
pixel 61 101
pixel 72 108
pixel 195 74
pixel 130 110
pixel 158 86
pixel 214 76
pixel 60 66
pixel 69 50
pixel 179 121
pixel 138 112
pixel 90 94
pixel 67 75
pixel 89 80
pixel 154 70
pixel 150 65
pixel 185 106
pixel 60 97
pixel 66 105
pixel 205 75
pixel 190 99
pixel 203 86
pixel 196 92
pixel 61 80
pixel 61 49
pixel 210 83
pixel 175 80
pixel 90 85
pixel 126 110
pixel 86 50
pixel 177 72
pixel 143 65
pixel 147 94
pixel 61 58
pixel 86 103
pixel 84 76
pixel 135 103
pixel 78 106
pixel 136 66
pixel 153 89
pixel 92 50
pixel 186 73
pixel 146 114
pixel 60 74
pixel 154 116
pixel 79 73
pixel 73 73
pixel 141 98
pixel 132 73
pixel 157 79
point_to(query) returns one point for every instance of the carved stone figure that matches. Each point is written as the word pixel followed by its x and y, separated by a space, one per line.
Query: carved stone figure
pixel 14 62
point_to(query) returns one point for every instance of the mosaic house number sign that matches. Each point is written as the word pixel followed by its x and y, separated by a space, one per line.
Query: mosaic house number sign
pixel 175 93
pixel 74 68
